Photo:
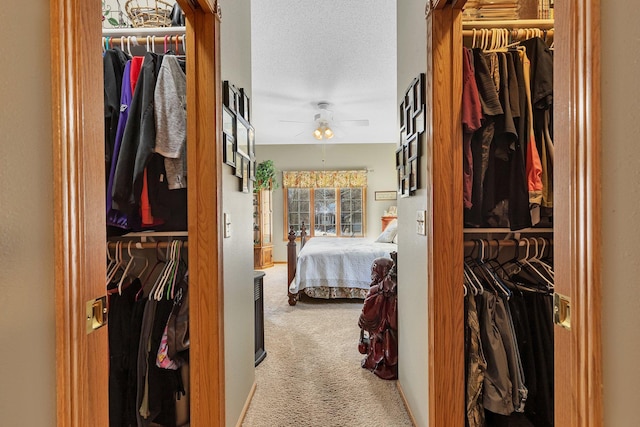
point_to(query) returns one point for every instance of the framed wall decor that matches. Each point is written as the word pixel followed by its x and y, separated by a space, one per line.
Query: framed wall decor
pixel 228 121
pixel 412 126
pixel 244 179
pixel 240 160
pixel 238 136
pixel 229 149
pixel 245 105
pixel 413 174
pixel 230 96
pixel 252 153
pixel 242 137
pixel 386 195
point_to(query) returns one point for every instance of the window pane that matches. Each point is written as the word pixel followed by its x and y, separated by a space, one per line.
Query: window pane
pixel 325 212
pixel 297 208
pixel 351 212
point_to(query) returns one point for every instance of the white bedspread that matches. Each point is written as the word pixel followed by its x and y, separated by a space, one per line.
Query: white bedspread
pixel 338 262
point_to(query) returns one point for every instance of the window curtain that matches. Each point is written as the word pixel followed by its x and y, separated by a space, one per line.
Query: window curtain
pixel 324 179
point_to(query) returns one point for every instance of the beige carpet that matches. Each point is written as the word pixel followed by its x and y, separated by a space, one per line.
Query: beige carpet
pixel 312 375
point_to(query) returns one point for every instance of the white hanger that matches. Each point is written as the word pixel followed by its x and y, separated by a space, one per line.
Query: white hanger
pixel 119 263
pixel 130 264
pixel 526 261
pixel 112 261
pixel 167 273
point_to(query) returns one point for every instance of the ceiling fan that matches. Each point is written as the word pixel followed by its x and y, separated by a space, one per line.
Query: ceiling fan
pixel 323 122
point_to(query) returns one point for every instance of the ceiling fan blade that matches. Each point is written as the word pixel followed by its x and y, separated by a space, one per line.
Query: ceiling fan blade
pixel 363 122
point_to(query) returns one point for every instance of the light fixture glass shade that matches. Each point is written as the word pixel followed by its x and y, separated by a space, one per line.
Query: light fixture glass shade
pixel 317 134
pixel 328 133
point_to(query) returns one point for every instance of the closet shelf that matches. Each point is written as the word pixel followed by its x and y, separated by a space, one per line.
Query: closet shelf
pixel 543 24
pixel 157 234
pixel 143 32
pixel 506 230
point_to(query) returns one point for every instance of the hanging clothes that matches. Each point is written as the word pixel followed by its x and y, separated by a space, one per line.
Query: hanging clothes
pixel 505 169
pixel 114 61
pixel 515 330
pixel 147 178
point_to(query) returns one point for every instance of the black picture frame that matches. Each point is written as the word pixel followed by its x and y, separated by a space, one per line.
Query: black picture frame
pixel 229 149
pixel 228 121
pixel 413 175
pixel 412 127
pixel 244 176
pixel 399 159
pixel 228 96
pixel 242 137
pixel 419 121
pixel 244 105
pixel 418 92
pixel 252 153
pixel 239 164
pixel 413 148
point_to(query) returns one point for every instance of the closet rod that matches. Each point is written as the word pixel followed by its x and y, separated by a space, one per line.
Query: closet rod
pixel 515 33
pixel 505 243
pixel 543 24
pixel 145 245
pixel 143 32
pixel 142 41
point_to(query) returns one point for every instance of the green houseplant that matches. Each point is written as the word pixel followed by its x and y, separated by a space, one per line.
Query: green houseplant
pixel 265 176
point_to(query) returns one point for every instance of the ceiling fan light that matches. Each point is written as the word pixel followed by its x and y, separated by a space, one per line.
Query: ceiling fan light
pixel 328 133
pixel 317 134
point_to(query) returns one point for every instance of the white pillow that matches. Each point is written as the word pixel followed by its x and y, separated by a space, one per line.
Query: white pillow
pixel 388 233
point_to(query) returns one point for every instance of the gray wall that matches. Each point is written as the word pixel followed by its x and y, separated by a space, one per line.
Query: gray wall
pixel 238 249
pixel 377 158
pixel 620 213
pixel 27 317
pixel 412 248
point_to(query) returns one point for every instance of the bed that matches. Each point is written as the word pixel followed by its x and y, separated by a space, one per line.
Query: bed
pixel 334 267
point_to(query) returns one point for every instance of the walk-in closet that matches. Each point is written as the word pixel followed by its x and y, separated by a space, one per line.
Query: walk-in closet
pixel 503 233
pixel 147 276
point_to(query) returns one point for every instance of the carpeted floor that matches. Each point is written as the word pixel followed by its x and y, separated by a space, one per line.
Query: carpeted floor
pixel 312 375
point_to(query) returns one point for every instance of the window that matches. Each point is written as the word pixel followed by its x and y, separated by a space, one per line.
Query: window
pixel 325 208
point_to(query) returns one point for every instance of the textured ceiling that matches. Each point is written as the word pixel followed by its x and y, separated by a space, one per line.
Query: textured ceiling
pixel 339 51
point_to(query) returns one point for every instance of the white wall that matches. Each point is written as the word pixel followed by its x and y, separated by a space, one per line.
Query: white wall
pixel 27 317
pixel 235 41
pixel 412 248
pixel 620 213
pixel 378 158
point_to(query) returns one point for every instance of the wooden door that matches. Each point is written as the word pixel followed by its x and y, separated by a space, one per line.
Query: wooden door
pixel 80 237
pixel 578 370
pixel 80 231
pixel 578 352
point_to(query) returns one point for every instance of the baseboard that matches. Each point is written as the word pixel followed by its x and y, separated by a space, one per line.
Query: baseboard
pixel 406 404
pixel 246 405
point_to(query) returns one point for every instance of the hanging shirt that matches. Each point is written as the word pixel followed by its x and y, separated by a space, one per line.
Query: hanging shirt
pixel 170 109
pixel 114 61
pixel 471 122
pixel 138 140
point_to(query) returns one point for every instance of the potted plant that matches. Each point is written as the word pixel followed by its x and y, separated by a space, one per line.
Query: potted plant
pixel 265 176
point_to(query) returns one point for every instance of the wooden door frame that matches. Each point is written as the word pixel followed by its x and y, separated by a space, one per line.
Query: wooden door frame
pixel 577 219
pixel 79 223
